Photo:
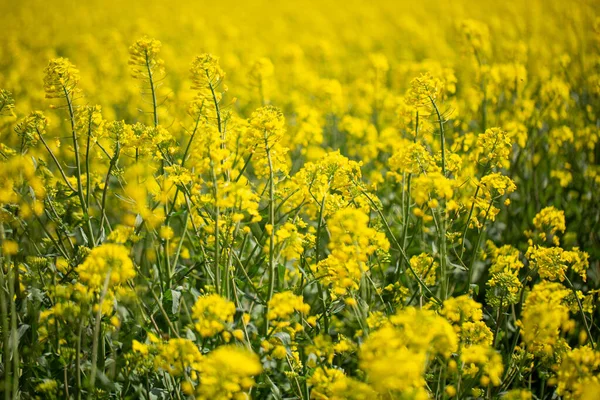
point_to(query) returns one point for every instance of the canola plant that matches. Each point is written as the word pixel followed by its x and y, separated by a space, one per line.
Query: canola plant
pixel 299 200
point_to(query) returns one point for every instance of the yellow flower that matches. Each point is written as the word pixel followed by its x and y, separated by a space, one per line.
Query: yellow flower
pixel 432 185
pixel 413 158
pixel 143 57
pixel 60 78
pixel 106 263
pixel 467 317
pixel 333 384
pixel 579 370
pixel 20 185
pixel 425 267
pixel 7 102
pixel 121 234
pixel 178 356
pixel 266 129
pixel 544 316
pixel 206 72
pixel 139 347
pixel 9 247
pixel 485 359
pixel 476 36
pixel 212 313
pixel 226 373
pixel 517 394
pixel 283 305
pixel 395 357
pixel 352 242
pixel 550 220
pixel 30 128
pixel 494 148
pixel 450 391
pixel 552 263
pixel 207 77
pixel 425 89
pixel 166 233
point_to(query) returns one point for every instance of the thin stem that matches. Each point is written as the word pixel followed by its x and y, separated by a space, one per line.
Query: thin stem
pixel 5 327
pixel 84 205
pixel 87 161
pixel 12 281
pixel 442 213
pixel 272 267
pixel 216 231
pixel 323 293
pixel 113 163
pixel 402 252
pixel 215 101
pixel 442 135
pixel 78 360
pixel 587 327
pixel 476 248
pixel 97 334
pixel 60 169
pixel 153 90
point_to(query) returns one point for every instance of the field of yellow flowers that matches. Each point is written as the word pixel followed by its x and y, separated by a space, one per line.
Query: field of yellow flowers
pixel 300 200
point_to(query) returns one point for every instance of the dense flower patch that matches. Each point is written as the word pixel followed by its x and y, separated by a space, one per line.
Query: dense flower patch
pixel 306 200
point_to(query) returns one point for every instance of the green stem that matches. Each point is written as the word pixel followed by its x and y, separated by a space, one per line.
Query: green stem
pixel 5 325
pixel 476 248
pixel 215 101
pixel 587 328
pixel 272 269
pixel 442 135
pixel 78 360
pixel 442 231
pixel 96 337
pixel 399 247
pixel 113 163
pixel 84 205
pixel 12 281
pixel 60 169
pixel 152 90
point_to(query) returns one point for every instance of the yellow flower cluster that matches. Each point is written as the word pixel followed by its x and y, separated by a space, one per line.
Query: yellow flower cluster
pixel 552 263
pixel 494 146
pixel 425 267
pixel 353 241
pixel 212 314
pixel 579 373
pixel 20 186
pixel 395 356
pixel 143 58
pixel 107 265
pixel 282 307
pixel 504 284
pixel 225 373
pixel 545 316
pixel 550 220
pixel 466 315
pixel 412 158
pixel 207 77
pixel 176 356
pixel 267 127
pixel 257 201
pixel 431 188
pixel 60 79
pixel 482 358
pixel 328 184
pixel 333 384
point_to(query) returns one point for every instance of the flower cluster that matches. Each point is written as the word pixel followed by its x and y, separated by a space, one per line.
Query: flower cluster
pixel 353 241
pixel 108 265
pixel 212 313
pixel 373 201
